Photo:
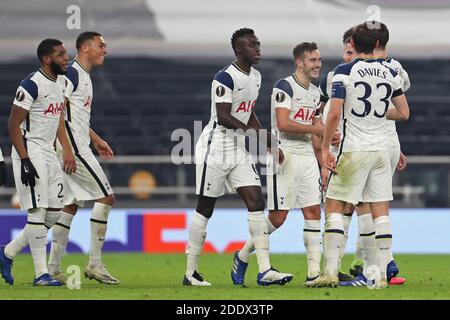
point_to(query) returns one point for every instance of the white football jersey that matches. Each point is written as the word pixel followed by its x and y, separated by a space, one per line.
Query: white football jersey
pixel 43 98
pixel 78 110
pixel 391 129
pixel 232 85
pixel 303 103
pixel 367 86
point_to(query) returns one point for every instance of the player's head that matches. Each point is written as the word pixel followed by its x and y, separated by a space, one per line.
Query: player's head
pixel 307 59
pixel 92 46
pixel 52 53
pixel 365 38
pixel 383 34
pixel 349 51
pixel 246 45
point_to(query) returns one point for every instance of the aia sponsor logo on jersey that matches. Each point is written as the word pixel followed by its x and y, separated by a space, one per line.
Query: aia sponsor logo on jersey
pixel 246 106
pixel 54 108
pixel 305 114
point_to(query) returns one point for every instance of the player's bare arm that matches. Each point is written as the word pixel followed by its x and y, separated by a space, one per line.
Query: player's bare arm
pixel 316 142
pixel 255 124
pixel 401 110
pixel 102 147
pixel 287 125
pixel 28 172
pixel 16 117
pixel 330 129
pixel 69 161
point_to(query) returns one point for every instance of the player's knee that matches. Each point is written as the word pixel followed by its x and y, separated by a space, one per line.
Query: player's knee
pixel 109 200
pixel 205 206
pixel 278 219
pixel 71 209
pixel 312 213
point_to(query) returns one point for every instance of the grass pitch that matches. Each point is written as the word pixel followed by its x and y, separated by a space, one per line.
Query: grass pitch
pixel 145 276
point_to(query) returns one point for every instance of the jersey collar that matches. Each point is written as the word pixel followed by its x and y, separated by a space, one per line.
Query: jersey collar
pixel 299 83
pixel 367 60
pixel 81 66
pixel 46 75
pixel 237 67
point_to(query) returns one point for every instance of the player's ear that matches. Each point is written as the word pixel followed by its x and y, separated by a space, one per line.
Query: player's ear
pixel 47 59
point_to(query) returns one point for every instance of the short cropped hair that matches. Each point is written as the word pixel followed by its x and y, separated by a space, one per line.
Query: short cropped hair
pixel 240 33
pixel 47 47
pixel 348 35
pixel 300 49
pixel 86 36
pixel 365 38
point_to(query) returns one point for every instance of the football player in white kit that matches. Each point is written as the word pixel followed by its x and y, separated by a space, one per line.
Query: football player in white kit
pixel 295 184
pixel 222 160
pixel 88 182
pixel 32 126
pixel 362 90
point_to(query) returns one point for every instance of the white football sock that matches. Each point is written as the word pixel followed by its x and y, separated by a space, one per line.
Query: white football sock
pixel 197 237
pixel 366 231
pixel 358 251
pixel 383 239
pixel 312 238
pixel 260 235
pixel 13 248
pixel 346 220
pixel 249 245
pixel 333 238
pixel 99 223
pixel 60 233
pixel 36 235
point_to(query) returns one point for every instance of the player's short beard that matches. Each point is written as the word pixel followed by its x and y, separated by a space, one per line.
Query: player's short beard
pixel 56 68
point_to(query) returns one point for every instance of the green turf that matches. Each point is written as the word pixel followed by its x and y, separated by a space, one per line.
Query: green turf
pixel 146 276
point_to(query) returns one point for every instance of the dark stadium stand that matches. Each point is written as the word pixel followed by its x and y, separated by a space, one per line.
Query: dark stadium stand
pixel 139 102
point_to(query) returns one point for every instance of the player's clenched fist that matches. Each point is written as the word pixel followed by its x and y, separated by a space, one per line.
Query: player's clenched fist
pixel 28 172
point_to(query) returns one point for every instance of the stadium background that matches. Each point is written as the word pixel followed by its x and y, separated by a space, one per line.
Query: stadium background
pixel 162 56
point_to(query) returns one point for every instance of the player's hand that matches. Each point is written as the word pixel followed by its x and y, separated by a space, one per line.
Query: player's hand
pixel 329 160
pixel 3 176
pixel 402 162
pixel 336 139
pixel 319 129
pixel 70 163
pixel 28 172
pixel 324 173
pixel 104 150
pixel 280 156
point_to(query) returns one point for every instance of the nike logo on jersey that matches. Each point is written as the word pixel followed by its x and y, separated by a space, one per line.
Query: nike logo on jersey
pixel 37 238
pixel 45 96
pixel 239 89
